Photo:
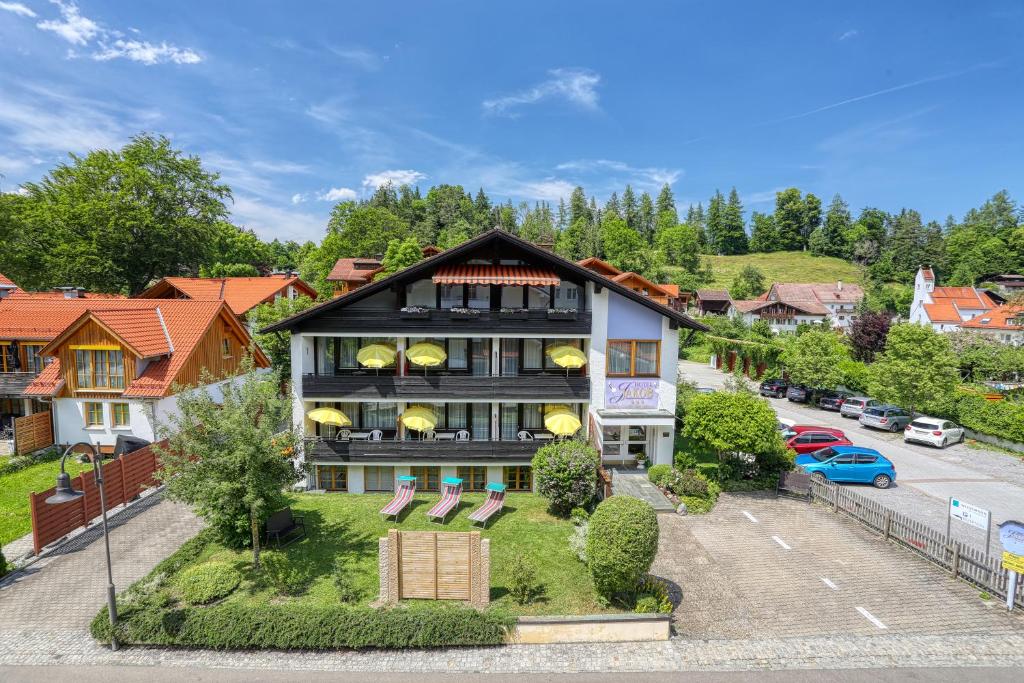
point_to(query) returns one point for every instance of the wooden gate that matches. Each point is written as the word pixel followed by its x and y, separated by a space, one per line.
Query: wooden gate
pixel 429 565
pixel 33 432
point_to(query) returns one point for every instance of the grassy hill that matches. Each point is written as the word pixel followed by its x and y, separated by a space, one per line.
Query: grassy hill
pixel 785 266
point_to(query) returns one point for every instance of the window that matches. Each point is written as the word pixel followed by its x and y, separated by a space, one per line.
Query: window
pixel 865 459
pixel 8 357
pixel 633 358
pixel 519 478
pixel 332 477
pixel 427 478
pixel 379 415
pixel 473 478
pixel 119 415
pixel 99 368
pixel 421 293
pixel 93 414
pixel 451 296
pixel 378 478
pixel 225 347
pixel 538 297
pixel 33 361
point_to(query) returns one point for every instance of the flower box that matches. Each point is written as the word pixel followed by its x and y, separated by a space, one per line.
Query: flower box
pixel 415 313
pixel 463 314
pixel 514 314
pixel 561 314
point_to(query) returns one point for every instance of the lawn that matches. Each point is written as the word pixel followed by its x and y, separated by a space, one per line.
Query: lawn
pixel 348 525
pixel 15 519
pixel 784 266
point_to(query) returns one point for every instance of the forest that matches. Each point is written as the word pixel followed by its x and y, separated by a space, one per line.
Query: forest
pixel 116 220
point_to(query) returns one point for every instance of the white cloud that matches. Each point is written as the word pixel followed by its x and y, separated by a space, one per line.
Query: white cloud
pixel 298 198
pixel 280 166
pixel 852 33
pixel 549 189
pixel 336 194
pixel 146 52
pixel 17 164
pixel 642 176
pixel 271 221
pixel 396 177
pixel 763 197
pixel 82 31
pixel 72 26
pixel 35 119
pixel 18 9
pixel 574 85
pixel 364 59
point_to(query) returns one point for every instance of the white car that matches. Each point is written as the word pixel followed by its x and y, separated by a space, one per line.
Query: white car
pixel 933 431
pixel 785 424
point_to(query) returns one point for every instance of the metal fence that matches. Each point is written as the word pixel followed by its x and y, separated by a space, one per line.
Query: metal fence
pixel 961 560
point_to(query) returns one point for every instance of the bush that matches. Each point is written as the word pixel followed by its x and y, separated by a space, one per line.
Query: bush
pixel 207 582
pixel 286 577
pixel 658 474
pixel 621 544
pixel 646 604
pixel 653 597
pixel 522 580
pixel 691 483
pixel 305 627
pixel 578 541
pixel 565 473
pixel 579 516
pixel 16 463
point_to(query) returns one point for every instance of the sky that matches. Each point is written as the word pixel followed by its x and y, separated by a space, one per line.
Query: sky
pixel 301 104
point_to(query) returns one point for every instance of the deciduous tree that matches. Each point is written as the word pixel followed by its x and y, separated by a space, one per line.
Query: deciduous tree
pixel 917 367
pixel 814 358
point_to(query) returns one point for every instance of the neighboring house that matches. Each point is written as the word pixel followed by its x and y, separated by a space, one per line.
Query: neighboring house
pixel 1008 284
pixel 1003 323
pixel 667 295
pixel 10 290
pixel 946 309
pixel 116 364
pixel 494 306
pixel 787 305
pixel 713 302
pixel 352 273
pixel 241 294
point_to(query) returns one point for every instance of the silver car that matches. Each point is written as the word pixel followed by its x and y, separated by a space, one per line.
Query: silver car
pixel 891 418
pixel 856 405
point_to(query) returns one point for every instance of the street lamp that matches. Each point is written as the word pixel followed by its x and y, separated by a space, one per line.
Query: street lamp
pixel 66 494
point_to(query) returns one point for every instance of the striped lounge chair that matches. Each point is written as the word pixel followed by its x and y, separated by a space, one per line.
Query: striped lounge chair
pixel 406 488
pixel 451 495
pixel 492 506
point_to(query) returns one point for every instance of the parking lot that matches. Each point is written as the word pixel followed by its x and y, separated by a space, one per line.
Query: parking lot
pixel 758 566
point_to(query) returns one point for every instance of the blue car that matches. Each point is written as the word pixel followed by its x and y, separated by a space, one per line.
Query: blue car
pixel 849 463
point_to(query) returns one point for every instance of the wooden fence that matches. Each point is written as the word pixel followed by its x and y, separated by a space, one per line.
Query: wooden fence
pixel 33 432
pixel 962 561
pixel 124 478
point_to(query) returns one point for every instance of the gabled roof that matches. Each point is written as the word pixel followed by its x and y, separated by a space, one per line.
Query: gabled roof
pixel 967 298
pixel 713 295
pixel 998 319
pixel 806 307
pixel 495 238
pixel 41 319
pixel 927 274
pixel 354 269
pixel 165 330
pixel 822 293
pixel 943 311
pixel 240 293
pixel 6 282
pixel 599 266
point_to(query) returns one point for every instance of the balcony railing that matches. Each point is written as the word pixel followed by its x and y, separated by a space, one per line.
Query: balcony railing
pixel 419 387
pixel 451 451
pixel 14 383
pixel 535 321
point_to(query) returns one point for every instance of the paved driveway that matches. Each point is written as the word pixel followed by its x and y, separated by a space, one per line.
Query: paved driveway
pixel 762 567
pixel 926 476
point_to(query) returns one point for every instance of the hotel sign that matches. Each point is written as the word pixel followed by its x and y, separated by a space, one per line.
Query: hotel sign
pixel 631 393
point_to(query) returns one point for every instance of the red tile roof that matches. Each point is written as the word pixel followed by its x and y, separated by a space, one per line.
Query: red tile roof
pixel 240 293
pixel 964 297
pixel 6 282
pixel 598 266
pixel 143 330
pixel 943 311
pixel 495 275
pixel 41 319
pixel 821 293
pixel 46 383
pixel 998 319
pixel 353 270
pixel 927 274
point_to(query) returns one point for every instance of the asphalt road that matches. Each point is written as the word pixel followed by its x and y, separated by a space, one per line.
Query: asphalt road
pixel 104 674
pixel 925 476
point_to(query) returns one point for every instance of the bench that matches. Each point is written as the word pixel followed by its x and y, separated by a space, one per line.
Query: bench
pixel 284 526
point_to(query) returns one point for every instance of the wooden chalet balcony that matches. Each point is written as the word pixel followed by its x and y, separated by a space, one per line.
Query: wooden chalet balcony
pixel 368 386
pixel 441 322
pixel 14 383
pixel 332 450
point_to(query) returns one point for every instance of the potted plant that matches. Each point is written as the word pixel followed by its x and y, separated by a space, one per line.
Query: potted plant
pixel 460 313
pixel 641 460
pixel 415 313
pixel 514 313
pixel 561 314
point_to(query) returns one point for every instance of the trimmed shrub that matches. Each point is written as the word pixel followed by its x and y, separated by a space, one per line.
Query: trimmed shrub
pixel 207 582
pixel 579 516
pixel 303 627
pixel 565 473
pixel 621 544
pixel 16 463
pixel 286 577
pixel 658 474
pixel 691 483
pixel 522 580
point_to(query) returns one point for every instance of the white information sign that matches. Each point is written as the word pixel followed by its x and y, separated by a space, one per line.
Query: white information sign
pixel 969 514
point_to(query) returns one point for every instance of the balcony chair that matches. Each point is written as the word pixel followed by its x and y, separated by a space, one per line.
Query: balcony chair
pixel 524 436
pixel 376 435
pixel 462 435
pixel 344 435
pixel 429 435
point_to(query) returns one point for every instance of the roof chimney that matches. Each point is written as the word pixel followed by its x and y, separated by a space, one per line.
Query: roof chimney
pixel 72 292
pixel 839 285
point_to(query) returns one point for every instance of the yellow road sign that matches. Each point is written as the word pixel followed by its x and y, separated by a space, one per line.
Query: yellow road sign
pixel 1013 563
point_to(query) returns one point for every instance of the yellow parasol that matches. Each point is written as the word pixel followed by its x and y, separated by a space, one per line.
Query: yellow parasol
pixel 566 356
pixel 376 356
pixel 552 407
pixel 426 354
pixel 419 418
pixel 562 422
pixel 329 416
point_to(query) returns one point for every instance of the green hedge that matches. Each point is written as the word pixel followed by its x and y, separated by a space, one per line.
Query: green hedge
pixel 302 627
pixel 621 543
pixel 1004 419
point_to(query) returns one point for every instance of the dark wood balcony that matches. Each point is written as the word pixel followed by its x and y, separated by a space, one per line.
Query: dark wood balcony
pixel 419 387
pixel 439 322
pixel 12 384
pixel 331 450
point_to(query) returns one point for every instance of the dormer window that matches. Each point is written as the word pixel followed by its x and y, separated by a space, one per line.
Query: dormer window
pixel 99 367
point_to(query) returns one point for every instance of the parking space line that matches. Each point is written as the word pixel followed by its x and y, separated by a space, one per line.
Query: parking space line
pixel 871 617
pixel 829 583
pixel 781 542
pixel 749 516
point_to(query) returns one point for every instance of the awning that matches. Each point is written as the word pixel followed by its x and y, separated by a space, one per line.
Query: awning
pixel 494 275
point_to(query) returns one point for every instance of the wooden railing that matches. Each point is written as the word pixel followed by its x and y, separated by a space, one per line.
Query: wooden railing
pixel 448 450
pixel 552 385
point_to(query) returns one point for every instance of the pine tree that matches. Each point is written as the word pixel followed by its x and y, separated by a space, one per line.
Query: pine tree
pixel 482 210
pixel 562 221
pixel 835 229
pixel 666 203
pixel 578 207
pixel 790 219
pixel 733 236
pixel 695 217
pixel 645 218
pixel 764 236
pixel 613 207
pixel 716 209
pixel 630 211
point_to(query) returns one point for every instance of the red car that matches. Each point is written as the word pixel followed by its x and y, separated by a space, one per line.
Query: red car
pixel 810 441
pixel 800 429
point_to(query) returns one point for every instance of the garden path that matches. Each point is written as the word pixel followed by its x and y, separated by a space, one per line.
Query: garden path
pixel 636 484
